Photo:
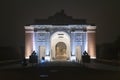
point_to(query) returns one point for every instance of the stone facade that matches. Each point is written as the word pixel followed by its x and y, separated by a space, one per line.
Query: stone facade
pixel 60 40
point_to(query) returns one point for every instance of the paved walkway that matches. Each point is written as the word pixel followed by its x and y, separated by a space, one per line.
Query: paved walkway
pixel 102 66
pixel 92 65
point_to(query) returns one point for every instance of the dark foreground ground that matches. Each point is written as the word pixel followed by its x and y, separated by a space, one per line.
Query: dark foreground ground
pixel 58 72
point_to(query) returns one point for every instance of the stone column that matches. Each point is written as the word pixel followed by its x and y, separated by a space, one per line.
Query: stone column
pixel 91 37
pixel 28 42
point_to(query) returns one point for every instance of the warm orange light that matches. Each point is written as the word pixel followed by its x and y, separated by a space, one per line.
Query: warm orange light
pixel 91 45
pixel 28 44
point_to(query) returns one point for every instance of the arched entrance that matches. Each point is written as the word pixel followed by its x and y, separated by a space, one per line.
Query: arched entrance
pixel 60 51
pixel 60 46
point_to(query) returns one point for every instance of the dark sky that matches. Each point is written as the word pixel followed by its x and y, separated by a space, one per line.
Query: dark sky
pixel 17 13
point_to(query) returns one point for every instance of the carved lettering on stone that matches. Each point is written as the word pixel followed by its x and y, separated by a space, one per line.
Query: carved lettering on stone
pixel 41 37
pixel 78 37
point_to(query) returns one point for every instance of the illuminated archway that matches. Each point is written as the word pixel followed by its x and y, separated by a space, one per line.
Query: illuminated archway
pixel 60 38
pixel 60 51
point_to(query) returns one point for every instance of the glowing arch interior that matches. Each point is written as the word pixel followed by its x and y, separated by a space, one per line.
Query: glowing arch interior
pixel 60 37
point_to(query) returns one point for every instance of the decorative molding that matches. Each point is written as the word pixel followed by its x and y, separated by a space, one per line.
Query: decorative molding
pixel 91 27
pixel 78 32
pixel 29 27
pixel 29 31
pixel 91 31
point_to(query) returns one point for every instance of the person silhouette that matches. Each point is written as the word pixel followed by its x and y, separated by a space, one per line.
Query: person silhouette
pixel 33 53
pixel 85 53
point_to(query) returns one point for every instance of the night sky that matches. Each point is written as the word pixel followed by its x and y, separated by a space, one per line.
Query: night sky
pixel 17 13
